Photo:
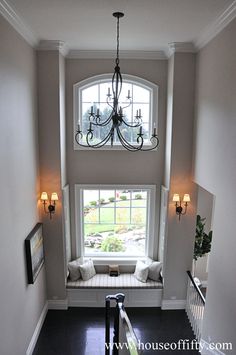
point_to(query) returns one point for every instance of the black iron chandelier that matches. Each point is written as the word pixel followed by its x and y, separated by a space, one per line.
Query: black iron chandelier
pixel 116 119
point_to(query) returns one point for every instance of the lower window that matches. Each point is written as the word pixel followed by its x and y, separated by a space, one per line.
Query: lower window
pixel 114 221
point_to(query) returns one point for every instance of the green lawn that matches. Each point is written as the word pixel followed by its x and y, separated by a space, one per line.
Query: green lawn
pixel 123 218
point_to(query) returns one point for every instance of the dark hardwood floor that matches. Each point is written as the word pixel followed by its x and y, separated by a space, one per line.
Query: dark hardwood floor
pixel 80 331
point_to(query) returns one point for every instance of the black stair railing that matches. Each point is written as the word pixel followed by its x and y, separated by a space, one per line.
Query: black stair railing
pixel 122 325
pixel 196 287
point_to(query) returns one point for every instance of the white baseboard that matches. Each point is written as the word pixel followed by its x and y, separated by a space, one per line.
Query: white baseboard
pixel 173 304
pixel 58 304
pixel 37 330
pixel 205 350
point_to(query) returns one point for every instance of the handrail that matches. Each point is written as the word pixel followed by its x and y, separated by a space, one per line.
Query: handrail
pixel 196 287
pixel 129 332
pixel 120 314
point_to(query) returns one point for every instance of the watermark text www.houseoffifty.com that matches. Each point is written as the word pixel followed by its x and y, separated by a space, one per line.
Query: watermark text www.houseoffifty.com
pixel 182 344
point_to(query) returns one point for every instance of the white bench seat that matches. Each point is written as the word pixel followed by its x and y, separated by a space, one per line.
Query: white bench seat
pixel 127 281
pixel 92 293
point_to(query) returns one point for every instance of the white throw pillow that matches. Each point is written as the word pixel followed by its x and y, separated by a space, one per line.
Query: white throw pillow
pixel 141 271
pixel 73 268
pixel 87 270
pixel 154 270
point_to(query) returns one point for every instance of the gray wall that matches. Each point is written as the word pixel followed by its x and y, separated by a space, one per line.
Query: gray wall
pixel 20 304
pixel 115 167
pixel 215 156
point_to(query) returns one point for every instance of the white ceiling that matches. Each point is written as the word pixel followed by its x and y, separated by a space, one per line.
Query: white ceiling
pixel 148 25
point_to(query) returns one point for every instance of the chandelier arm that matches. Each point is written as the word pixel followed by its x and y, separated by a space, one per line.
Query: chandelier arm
pixel 138 124
pixel 127 105
pixel 129 147
pixel 81 136
pixel 101 143
pixel 153 147
pixel 104 123
pixel 116 85
pixel 109 104
pixel 130 125
pixel 126 144
pixel 78 136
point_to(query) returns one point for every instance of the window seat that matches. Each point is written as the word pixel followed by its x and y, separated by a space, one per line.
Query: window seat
pixel 122 281
pixel 92 293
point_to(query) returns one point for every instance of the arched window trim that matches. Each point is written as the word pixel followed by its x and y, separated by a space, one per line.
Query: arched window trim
pixel 101 78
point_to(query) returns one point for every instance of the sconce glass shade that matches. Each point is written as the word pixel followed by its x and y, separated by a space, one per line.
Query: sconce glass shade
pixel 176 198
pixel 186 198
pixel 54 196
pixel 44 196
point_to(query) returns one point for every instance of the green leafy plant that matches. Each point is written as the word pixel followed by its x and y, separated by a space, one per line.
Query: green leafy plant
pixel 102 201
pixel 138 197
pixel 112 244
pixel 123 197
pixel 111 199
pixel 93 203
pixel 86 210
pixel 203 240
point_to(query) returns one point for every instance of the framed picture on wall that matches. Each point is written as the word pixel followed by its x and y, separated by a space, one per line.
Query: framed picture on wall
pixel 34 252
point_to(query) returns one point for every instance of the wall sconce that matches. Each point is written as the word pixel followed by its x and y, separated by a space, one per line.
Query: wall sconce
pixel 178 204
pixel 52 203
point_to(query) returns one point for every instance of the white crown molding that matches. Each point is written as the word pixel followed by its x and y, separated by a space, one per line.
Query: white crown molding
pixel 53 45
pixel 109 54
pixel 211 31
pixel 17 23
pixel 217 26
pixel 181 47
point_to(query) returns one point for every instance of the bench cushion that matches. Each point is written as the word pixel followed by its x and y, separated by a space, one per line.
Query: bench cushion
pixel 127 281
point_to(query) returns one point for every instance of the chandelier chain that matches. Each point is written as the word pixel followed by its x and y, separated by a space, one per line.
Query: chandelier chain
pixel 118 41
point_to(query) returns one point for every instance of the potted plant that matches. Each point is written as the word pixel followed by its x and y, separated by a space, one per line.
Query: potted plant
pixel 202 245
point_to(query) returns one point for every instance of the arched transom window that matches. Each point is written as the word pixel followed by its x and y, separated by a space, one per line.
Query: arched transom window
pixel 92 92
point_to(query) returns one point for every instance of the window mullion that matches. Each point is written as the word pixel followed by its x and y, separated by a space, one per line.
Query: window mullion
pixel 115 208
pixel 99 212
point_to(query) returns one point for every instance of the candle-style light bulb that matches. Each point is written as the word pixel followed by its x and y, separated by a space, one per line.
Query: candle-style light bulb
pixel 154 130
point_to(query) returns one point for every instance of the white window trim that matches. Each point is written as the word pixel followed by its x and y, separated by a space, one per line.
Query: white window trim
pixel 125 260
pixel 78 87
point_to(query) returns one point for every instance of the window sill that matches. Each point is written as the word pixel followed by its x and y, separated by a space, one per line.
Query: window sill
pixel 115 260
pixel 110 148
